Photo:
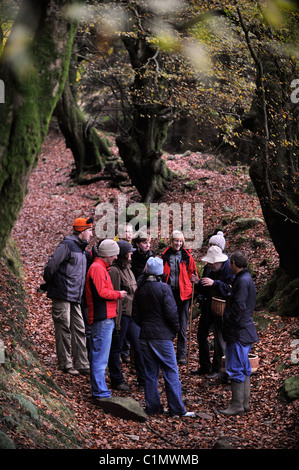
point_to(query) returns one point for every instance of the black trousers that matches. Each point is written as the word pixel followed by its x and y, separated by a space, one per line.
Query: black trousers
pixel 207 323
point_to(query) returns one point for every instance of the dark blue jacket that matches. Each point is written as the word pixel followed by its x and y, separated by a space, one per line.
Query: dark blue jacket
pixel 223 280
pixel 154 309
pixel 238 323
pixel 65 271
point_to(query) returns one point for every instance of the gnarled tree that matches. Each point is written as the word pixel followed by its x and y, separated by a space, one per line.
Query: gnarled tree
pixel 34 66
pixel 141 139
pixel 88 148
pixel 274 123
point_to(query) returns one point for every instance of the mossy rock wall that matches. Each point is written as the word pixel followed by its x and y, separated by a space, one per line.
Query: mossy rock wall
pixel 33 412
pixel 280 294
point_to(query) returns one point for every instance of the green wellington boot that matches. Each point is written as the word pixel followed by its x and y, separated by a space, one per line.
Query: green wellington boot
pixel 236 407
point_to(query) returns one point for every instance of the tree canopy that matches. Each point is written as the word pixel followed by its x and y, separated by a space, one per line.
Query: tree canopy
pixel 228 66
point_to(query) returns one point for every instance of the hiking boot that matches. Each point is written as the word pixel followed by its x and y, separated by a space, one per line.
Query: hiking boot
pixel 122 387
pixel 182 360
pixel 71 371
pixel 213 375
pixel 188 414
pixel 199 371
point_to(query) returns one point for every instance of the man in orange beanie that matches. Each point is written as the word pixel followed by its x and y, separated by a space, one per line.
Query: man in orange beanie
pixel 65 275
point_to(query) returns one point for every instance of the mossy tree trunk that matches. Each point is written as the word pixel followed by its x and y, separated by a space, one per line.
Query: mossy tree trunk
pixel 146 120
pixel 88 148
pixel 274 122
pixel 275 165
pixel 140 150
pixel 34 78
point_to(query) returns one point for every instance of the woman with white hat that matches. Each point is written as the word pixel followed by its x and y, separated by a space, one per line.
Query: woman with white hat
pixel 216 282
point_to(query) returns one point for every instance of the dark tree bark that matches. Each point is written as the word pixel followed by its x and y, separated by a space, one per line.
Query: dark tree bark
pixel 147 120
pixel 140 150
pixel 274 122
pixel 88 148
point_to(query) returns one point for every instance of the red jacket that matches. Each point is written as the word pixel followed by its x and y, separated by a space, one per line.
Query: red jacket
pixel 101 297
pixel 187 268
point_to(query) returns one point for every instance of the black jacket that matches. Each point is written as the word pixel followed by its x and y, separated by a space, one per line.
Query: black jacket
pixel 139 259
pixel 238 322
pixel 65 271
pixel 223 279
pixel 154 309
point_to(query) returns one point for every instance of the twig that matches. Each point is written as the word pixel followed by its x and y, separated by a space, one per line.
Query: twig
pixel 190 328
pixel 162 437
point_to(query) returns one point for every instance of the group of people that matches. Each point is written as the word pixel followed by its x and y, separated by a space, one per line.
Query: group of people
pixel 120 291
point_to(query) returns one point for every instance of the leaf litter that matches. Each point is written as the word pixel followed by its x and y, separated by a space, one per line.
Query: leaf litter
pixel 52 204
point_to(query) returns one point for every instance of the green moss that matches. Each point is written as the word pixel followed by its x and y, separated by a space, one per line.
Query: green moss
pixel 280 294
pixel 291 387
pixel 12 258
pixel 289 299
pixel 33 409
pixel 262 320
pixel 31 96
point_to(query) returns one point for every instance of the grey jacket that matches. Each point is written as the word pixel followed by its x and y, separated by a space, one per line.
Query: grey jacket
pixel 65 271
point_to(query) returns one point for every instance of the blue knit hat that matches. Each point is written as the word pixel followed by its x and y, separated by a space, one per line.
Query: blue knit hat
pixel 154 266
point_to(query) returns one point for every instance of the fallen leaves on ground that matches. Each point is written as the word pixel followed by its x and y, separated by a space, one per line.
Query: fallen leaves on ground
pixel 52 204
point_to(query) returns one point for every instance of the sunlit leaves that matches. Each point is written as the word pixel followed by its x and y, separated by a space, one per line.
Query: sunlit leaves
pixel 163 7
pixel 274 11
pixel 198 56
pixel 17 50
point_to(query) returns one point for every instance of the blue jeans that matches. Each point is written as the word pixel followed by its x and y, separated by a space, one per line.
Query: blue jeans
pixel 129 329
pixel 237 363
pixel 161 354
pixel 101 334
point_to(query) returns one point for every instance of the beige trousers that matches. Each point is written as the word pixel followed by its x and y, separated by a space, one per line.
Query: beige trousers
pixel 69 335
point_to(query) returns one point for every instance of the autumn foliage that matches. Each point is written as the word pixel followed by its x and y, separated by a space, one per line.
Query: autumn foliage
pixel 50 207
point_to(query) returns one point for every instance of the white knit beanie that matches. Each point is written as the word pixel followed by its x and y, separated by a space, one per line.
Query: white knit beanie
pixel 218 240
pixel 107 248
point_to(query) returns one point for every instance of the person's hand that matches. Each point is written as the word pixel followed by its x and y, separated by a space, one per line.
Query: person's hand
pixel 207 282
pixel 123 294
pixel 194 278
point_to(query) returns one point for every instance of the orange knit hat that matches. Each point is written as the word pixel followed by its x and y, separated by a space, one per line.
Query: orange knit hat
pixel 82 224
